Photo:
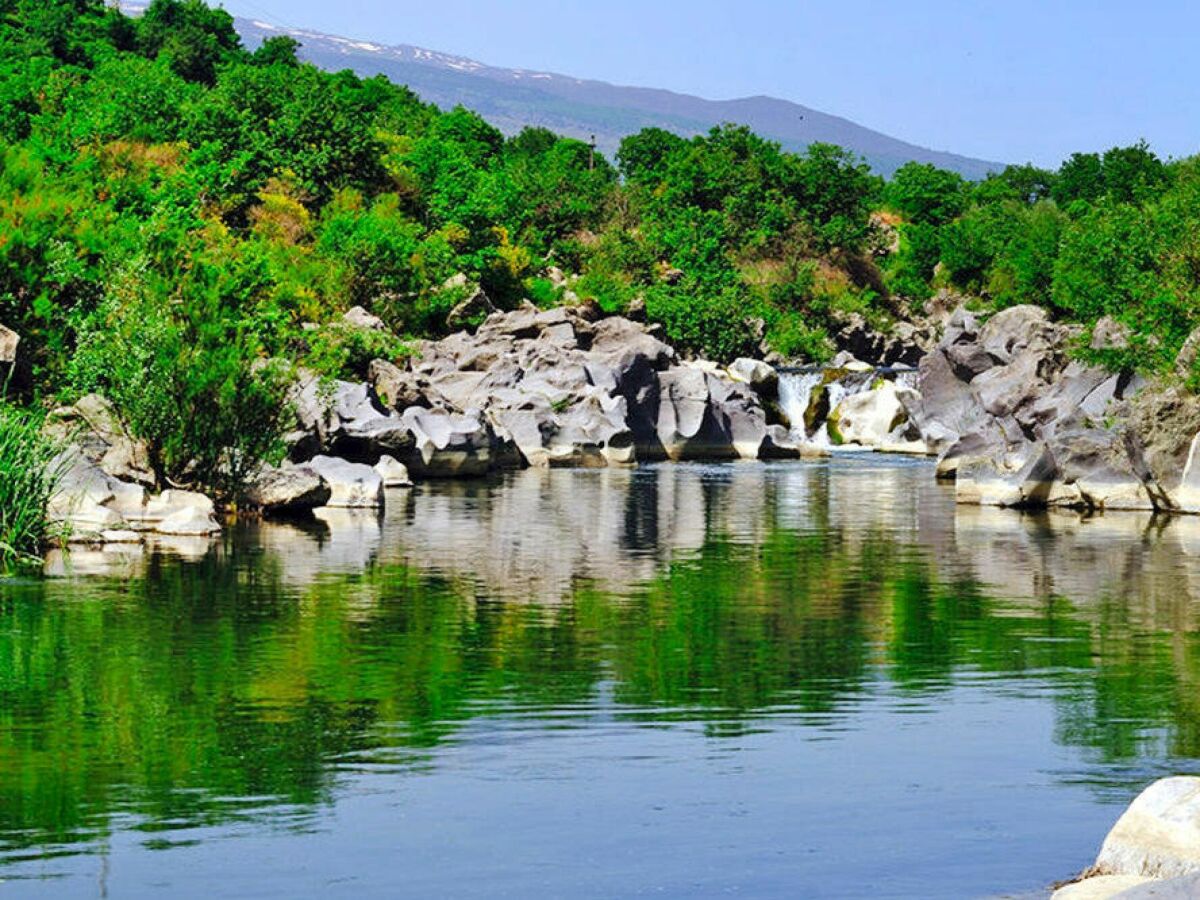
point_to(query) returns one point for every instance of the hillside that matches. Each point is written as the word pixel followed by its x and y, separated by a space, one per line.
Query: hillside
pixel 512 99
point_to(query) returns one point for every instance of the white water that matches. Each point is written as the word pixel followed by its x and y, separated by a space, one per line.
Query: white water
pixel 796 393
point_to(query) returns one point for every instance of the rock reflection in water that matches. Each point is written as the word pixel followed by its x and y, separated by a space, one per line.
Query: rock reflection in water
pixel 791 605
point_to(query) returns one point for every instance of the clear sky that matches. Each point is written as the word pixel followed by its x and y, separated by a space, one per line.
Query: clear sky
pixel 1009 80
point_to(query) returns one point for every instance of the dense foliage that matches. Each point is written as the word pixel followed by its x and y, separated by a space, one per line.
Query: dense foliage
pixel 176 210
pixel 1114 235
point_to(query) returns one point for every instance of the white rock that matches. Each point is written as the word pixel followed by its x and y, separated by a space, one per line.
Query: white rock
pixel 1102 887
pixel 393 473
pixel 869 418
pixel 188 521
pixel 1186 887
pixel 1159 835
pixel 120 537
pixel 351 485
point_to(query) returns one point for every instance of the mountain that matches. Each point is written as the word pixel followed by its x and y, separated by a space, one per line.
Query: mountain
pixel 513 98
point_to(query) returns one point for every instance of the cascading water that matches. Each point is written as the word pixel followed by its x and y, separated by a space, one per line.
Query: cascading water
pixel 798 389
pixel 795 394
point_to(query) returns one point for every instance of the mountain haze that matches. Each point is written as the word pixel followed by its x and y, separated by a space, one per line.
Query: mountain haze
pixel 514 98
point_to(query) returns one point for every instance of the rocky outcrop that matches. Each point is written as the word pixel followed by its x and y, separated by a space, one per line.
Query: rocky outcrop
pixel 868 419
pixel 1018 422
pixel 94 507
pixel 93 426
pixel 562 387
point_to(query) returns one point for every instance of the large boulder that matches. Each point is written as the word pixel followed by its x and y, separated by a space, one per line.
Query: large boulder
pixel 289 489
pixel 351 485
pixel 393 473
pixel 702 416
pixel 475 307
pixel 1159 835
pixel 869 418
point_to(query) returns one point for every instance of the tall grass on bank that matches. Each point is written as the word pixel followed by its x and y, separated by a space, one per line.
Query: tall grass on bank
pixel 28 477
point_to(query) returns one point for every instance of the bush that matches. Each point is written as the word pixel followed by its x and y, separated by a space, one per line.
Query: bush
pixel 716 325
pixel 189 382
pixel 28 477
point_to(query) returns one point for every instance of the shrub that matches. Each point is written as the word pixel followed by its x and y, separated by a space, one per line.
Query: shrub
pixel 190 382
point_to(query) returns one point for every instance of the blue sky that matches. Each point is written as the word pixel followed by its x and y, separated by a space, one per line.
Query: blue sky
pixel 1012 81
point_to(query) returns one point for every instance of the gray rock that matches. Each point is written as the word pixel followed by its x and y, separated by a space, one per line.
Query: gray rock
pixel 756 373
pixel 448 445
pixel 1109 334
pixel 357 317
pixel 476 307
pixel 93 426
pixel 394 388
pixel 289 489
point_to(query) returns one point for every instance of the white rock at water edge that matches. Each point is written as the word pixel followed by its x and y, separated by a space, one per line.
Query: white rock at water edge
pixel 352 486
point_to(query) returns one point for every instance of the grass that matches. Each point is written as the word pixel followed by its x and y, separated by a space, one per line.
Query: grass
pixel 27 480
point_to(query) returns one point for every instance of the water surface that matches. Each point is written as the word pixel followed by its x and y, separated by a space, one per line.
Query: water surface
pixel 800 679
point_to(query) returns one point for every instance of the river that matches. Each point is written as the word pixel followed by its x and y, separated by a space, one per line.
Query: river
pixel 815 679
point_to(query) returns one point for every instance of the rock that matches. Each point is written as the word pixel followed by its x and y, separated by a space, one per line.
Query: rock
pixel 120 537
pixel 867 419
pixel 189 521
pixel 1186 887
pixel 360 430
pixel 357 317
pixel 1159 835
pixel 780 444
pixel 448 445
pixel 289 489
pixel 1185 361
pixel 351 485
pixel 393 473
pixel 1019 330
pixel 92 425
pixel 1109 334
pixel 12 362
pixel 763 378
pixel 904 345
pixel 702 417
pixel 470 311
pixel 393 388
pixel 1102 887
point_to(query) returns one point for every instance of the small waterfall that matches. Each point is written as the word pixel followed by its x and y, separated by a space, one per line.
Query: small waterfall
pixel 798 388
pixel 795 393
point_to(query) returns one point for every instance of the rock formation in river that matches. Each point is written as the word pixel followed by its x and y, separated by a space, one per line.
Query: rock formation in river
pixel 1018 421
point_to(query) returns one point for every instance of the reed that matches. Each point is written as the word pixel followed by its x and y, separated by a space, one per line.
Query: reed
pixel 28 477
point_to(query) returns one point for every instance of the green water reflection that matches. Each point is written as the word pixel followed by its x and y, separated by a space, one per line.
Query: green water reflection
pixel 199 683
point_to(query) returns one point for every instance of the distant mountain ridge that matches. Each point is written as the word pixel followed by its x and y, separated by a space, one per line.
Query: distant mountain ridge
pixel 513 98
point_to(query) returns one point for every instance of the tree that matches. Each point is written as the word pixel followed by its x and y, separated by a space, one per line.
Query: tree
pixel 277 51
pixel 193 36
pixel 925 194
